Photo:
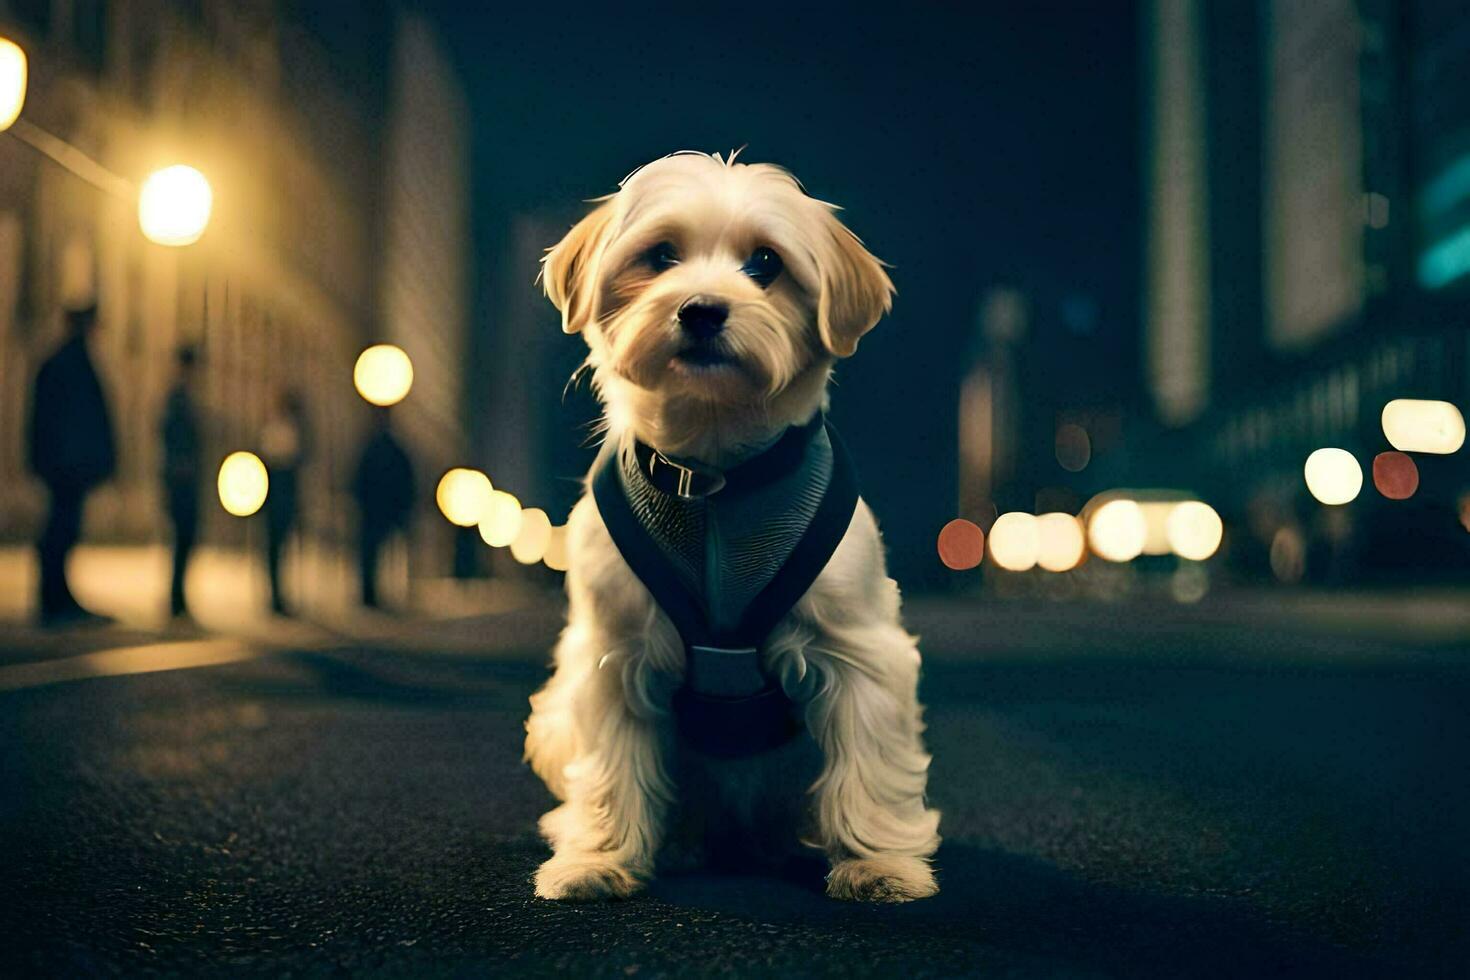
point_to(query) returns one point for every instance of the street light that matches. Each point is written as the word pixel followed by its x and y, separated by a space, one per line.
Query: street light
pixel 1333 476
pixel 174 206
pixel 243 483
pixel 533 537
pixel 1015 539
pixel 383 374
pixel 1118 530
pixel 501 520
pixel 1061 542
pixel 462 496
pixel 12 82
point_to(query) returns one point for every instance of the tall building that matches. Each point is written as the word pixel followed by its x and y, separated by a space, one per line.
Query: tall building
pixel 298 269
pixel 1308 247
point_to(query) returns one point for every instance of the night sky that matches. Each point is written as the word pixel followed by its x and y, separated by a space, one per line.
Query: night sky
pixel 968 148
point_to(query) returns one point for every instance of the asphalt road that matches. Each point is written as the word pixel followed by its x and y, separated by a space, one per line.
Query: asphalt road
pixel 1152 796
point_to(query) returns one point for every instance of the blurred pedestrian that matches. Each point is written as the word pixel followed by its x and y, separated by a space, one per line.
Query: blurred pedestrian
pixel 383 484
pixel 71 450
pixel 183 467
pixel 285 445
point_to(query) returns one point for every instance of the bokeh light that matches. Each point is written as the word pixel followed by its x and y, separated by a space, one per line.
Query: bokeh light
pixel 383 374
pixel 1333 476
pixel 1195 530
pixel 243 484
pixel 1156 525
pixel 13 72
pixel 1061 543
pixel 961 544
pixel 1014 541
pixel 1395 475
pixel 1416 426
pixel 529 545
pixel 1073 447
pixel 174 206
pixel 1189 584
pixel 1288 554
pixel 557 558
pixel 462 495
pixel 1117 531
pixel 501 521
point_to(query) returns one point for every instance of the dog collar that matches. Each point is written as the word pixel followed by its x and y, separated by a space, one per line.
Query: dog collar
pixel 689 481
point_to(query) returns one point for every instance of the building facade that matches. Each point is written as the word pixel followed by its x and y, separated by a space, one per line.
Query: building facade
pixel 298 269
pixel 1311 264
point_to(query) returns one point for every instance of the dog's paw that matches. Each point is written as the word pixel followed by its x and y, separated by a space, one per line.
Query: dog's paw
pixel 881 879
pixel 584 878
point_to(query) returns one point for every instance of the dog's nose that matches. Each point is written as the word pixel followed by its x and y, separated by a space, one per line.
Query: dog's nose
pixel 702 319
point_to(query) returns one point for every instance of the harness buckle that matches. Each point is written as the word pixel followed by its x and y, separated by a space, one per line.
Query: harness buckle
pixel 684 477
pixel 726 672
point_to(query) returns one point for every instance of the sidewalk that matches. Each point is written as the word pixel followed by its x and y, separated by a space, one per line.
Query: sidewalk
pixel 228 596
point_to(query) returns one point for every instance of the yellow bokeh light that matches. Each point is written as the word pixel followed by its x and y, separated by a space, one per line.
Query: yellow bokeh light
pixel 13 72
pixel 501 521
pixel 1061 544
pixel 1156 525
pixel 1195 530
pixel 1014 541
pixel 1415 426
pixel 383 374
pixel 556 557
pixel 243 483
pixel 174 206
pixel 531 540
pixel 1333 476
pixel 1118 530
pixel 462 495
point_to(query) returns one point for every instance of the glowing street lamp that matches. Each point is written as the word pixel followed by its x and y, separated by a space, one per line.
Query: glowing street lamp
pixel 174 206
pixel 1015 540
pixel 556 557
pixel 1118 531
pixel 13 73
pixel 462 495
pixel 1333 476
pixel 533 538
pixel 1195 530
pixel 243 484
pixel 383 374
pixel 501 521
pixel 1416 426
pixel 1061 544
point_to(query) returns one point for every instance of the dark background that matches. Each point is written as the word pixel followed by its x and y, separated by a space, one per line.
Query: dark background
pixel 968 146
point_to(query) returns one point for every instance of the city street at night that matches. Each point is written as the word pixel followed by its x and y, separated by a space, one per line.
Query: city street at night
pixel 994 478
pixel 1238 788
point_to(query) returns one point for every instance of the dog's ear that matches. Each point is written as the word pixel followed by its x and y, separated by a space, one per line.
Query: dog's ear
pixel 855 291
pixel 566 270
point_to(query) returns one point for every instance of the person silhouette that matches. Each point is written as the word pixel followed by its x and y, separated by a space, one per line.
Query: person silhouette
pixel 71 450
pixel 183 468
pixel 383 484
pixel 285 444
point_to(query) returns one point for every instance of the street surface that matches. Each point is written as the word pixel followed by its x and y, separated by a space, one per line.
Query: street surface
pixel 1230 789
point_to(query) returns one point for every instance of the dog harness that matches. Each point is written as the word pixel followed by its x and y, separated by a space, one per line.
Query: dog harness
pixel 726 556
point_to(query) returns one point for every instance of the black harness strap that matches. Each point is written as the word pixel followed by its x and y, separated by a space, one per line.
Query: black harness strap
pixel 730 727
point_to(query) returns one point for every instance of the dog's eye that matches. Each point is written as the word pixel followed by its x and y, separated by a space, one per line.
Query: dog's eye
pixel 662 257
pixel 763 266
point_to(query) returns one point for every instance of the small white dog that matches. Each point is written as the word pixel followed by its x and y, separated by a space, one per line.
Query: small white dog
pixel 715 298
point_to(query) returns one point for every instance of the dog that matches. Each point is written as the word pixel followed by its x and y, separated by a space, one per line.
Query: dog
pixel 715 298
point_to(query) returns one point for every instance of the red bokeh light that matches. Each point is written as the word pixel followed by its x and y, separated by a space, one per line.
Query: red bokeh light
pixel 1395 475
pixel 961 544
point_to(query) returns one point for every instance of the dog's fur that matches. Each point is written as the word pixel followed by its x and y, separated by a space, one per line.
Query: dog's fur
pixel 600 734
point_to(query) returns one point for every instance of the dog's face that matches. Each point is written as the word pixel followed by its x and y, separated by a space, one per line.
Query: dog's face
pixel 716 280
